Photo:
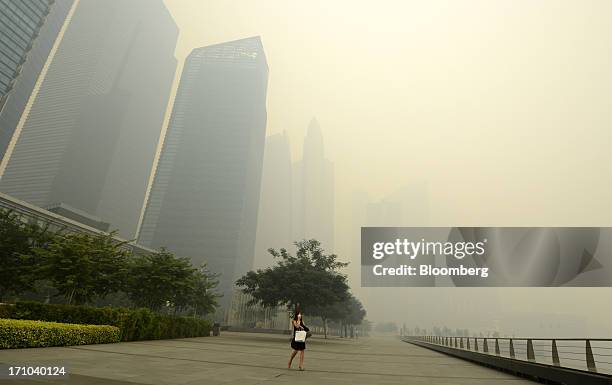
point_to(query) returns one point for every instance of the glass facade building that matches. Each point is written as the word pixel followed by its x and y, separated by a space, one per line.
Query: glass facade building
pixel 90 138
pixel 28 30
pixel 204 199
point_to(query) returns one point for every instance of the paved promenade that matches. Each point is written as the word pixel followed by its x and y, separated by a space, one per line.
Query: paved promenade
pixel 252 358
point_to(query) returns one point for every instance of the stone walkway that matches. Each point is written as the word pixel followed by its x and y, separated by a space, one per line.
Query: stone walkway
pixel 253 358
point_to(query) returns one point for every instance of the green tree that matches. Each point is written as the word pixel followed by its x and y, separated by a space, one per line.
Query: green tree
pixel 334 312
pixel 204 299
pixel 310 279
pixel 82 266
pixel 19 269
pixel 157 279
pixel 355 312
pixel 348 313
pixel 163 279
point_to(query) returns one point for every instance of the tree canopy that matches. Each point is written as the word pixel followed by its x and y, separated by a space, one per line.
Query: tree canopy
pixel 84 267
pixel 161 279
pixel 18 268
pixel 309 279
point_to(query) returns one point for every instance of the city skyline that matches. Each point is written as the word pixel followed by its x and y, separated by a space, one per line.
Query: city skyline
pixel 505 122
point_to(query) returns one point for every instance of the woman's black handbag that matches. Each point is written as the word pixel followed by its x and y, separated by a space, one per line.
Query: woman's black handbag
pixel 308 333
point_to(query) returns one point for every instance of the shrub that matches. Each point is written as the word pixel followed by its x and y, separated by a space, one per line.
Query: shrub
pixel 135 324
pixel 32 334
pixel 7 310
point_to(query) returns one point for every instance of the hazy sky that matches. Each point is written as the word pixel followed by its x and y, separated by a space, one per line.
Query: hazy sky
pixel 503 108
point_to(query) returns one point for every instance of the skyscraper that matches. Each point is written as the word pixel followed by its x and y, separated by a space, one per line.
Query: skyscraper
pixel 28 30
pixel 274 220
pixel 205 195
pixel 90 138
pixel 314 191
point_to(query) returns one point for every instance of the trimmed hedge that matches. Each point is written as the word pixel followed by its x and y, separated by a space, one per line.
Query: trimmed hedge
pixel 34 334
pixel 135 325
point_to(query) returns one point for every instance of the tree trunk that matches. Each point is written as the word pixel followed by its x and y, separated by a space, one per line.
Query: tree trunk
pixel 71 296
pixel 325 327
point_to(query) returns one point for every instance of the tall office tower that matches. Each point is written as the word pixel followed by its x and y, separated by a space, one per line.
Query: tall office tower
pixel 89 140
pixel 275 205
pixel 314 191
pixel 204 198
pixel 28 30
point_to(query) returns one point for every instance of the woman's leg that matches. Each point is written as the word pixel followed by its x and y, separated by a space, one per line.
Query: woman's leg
pixel 293 353
pixel 301 359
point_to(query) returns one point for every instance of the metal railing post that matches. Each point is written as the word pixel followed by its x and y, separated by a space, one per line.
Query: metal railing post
pixel 555 354
pixel 530 352
pixel 547 367
pixel 590 360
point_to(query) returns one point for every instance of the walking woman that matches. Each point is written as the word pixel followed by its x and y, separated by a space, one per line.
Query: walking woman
pixel 298 324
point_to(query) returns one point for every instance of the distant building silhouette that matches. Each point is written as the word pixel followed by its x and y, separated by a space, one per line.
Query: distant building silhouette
pixel 29 30
pixel 384 214
pixel 314 191
pixel 413 200
pixel 90 138
pixel 274 220
pixel 204 199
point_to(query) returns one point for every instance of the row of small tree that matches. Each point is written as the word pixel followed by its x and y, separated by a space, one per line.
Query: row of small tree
pixel 436 331
pixel 310 279
pixel 83 267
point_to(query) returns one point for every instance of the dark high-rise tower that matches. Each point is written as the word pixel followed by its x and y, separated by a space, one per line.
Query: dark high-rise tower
pixel 90 138
pixel 28 30
pixel 204 199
